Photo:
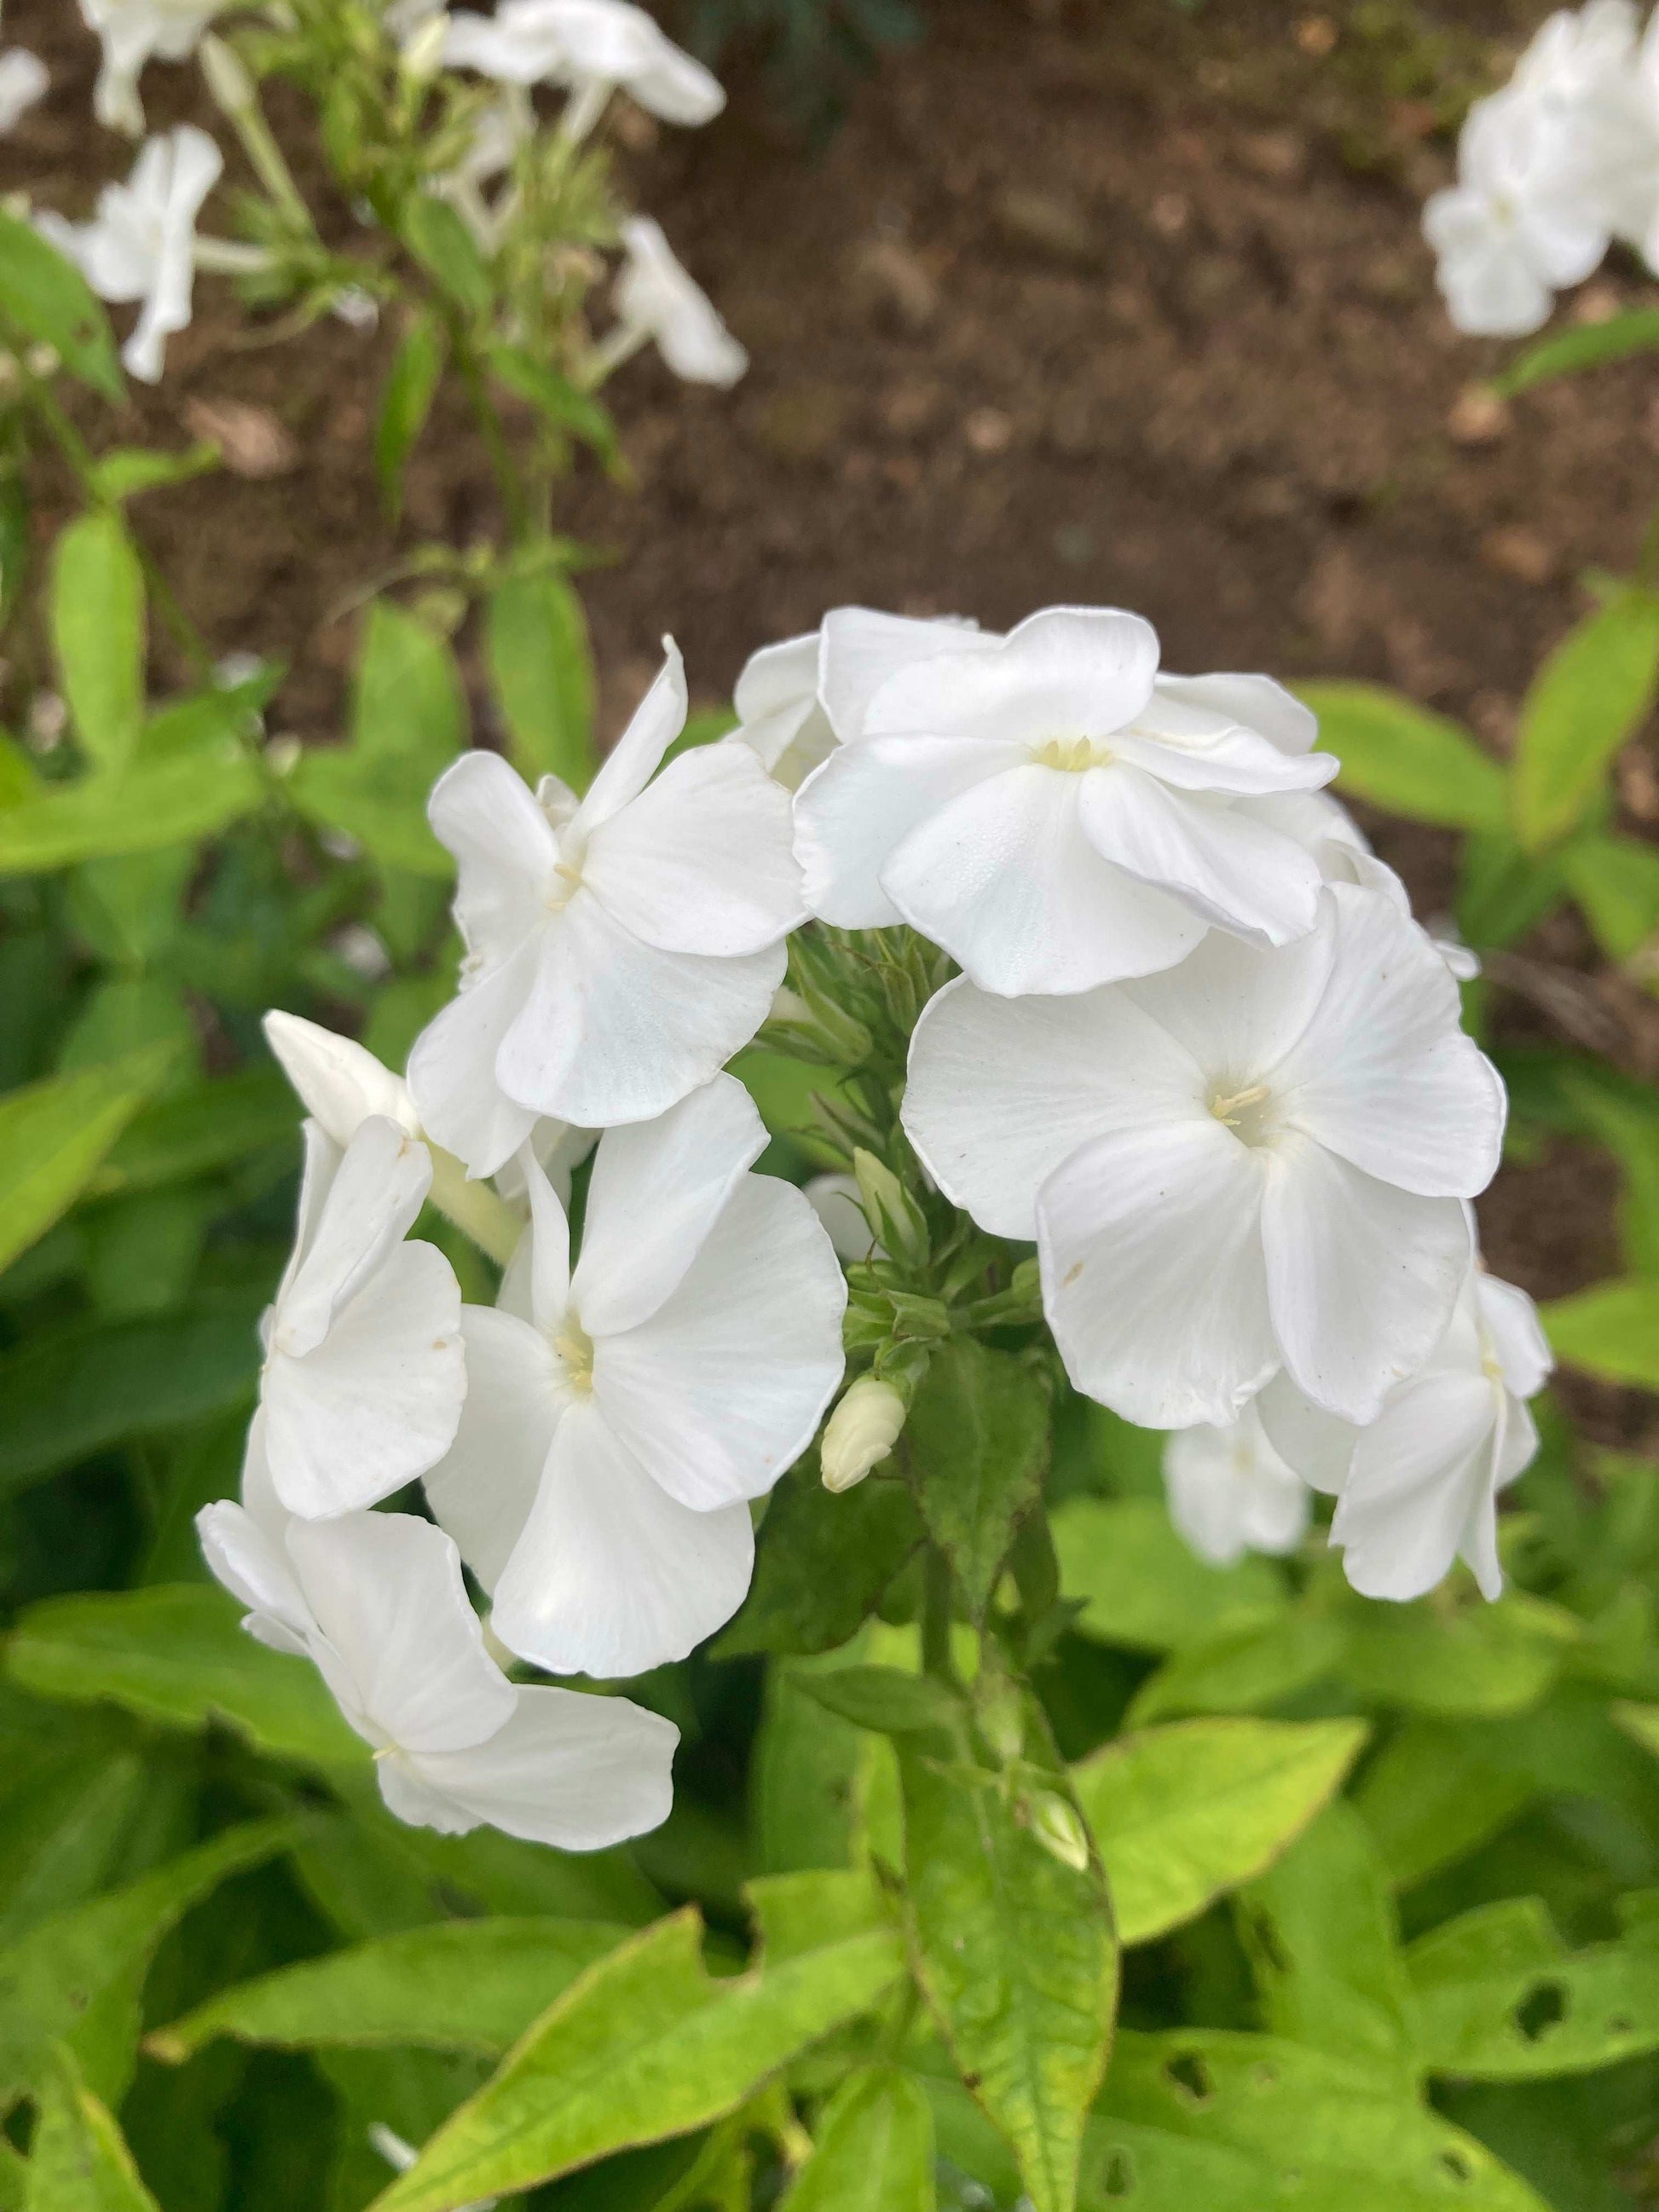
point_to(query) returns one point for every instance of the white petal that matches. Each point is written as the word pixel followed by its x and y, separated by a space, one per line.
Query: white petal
pixel 378 1401
pixel 1237 1009
pixel 1255 702
pixel 482 1490
pixel 378 1188
pixel 657 1190
pixel 1362 1277
pixel 388 1593
pixel 1227 868
pixel 834 1200
pixel 851 813
pixel 611 1575
pixel 338 1082
pixel 1382 1073
pixel 1004 878
pixel 1318 1445
pixel 452 1069
pixel 860 648
pixel 504 849
pixel 1229 1493
pixel 1000 1091
pixel 1152 1273
pixel 616 1031
pixel 1066 673
pixel 703 860
pixel 632 761
pixel 1233 761
pixel 723 1387
pixel 1510 1319
pixel 1418 1473
pixel 776 679
pixel 1517 1444
pixel 578 1771
pixel 548 1256
pixel 242 1557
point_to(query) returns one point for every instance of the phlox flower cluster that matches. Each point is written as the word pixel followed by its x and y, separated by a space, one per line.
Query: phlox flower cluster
pixel 1198 1055
pixel 1551 169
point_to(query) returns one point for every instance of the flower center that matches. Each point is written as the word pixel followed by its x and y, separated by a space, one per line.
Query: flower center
pixel 1244 1112
pixel 575 1348
pixel 562 886
pixel 1073 755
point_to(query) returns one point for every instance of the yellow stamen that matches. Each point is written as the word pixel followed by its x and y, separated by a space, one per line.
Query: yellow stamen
pixel 1230 1111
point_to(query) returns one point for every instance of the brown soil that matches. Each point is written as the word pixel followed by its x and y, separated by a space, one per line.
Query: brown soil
pixel 1097 308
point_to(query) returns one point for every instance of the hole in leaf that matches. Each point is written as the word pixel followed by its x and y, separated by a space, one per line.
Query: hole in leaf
pixel 1188 2072
pixel 1621 2024
pixel 1118 2179
pixel 1456 2163
pixel 1540 2009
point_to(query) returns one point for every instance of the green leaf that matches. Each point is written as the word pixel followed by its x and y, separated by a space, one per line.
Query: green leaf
pixel 1483 1659
pixel 48 298
pixel 1246 1669
pixel 1324 1946
pixel 975 1449
pixel 1587 346
pixel 66 1828
pixel 1500 1998
pixel 1014 1950
pixel 563 405
pixel 1641 1724
pixel 77 1976
pixel 461 1985
pixel 1401 757
pixel 1142 1586
pixel 1592 694
pixel 78 2160
pixel 98 635
pixel 1429 1799
pixel 541 665
pixel 1611 1330
pixel 822 1563
pixel 440 241
pixel 804 1772
pixel 645 2044
pixel 873 2151
pixel 55 1135
pixel 411 385
pixel 1616 881
pixel 886 1700
pixel 172 801
pixel 68 1394
pixel 177 1654
pixel 1182 1815
pixel 1503 892
pixel 209 1127
pixel 128 470
pixel 408 722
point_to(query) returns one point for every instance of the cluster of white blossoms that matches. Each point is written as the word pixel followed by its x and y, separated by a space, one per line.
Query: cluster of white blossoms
pixel 1199 1053
pixel 142 243
pixel 1552 170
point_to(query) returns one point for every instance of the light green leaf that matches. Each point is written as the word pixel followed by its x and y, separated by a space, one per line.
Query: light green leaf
pixel 1500 1998
pixel 78 2160
pixel 64 1832
pixel 1183 1813
pixel 1592 694
pixel 1249 1668
pixel 176 1653
pixel 1014 1950
pixel 646 2045
pixel 822 1563
pixel 1616 881
pixel 975 1449
pixel 1401 757
pixel 1611 1331
pixel 411 385
pixel 1640 1723
pixel 1324 1946
pixel 873 2151
pixel 1429 1799
pixel 1141 1585
pixel 542 667
pixel 209 1127
pixel 130 470
pixel 54 1135
pixel 48 298
pixel 77 1976
pixel 1587 346
pixel 459 1985
pixel 1482 1660
pixel 171 801
pixel 98 635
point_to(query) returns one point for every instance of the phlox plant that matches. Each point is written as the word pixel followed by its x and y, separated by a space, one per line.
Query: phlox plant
pixel 856 1525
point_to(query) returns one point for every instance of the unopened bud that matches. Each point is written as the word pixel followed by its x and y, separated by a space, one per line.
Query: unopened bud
pixel 891 1212
pixel 228 80
pixel 42 361
pixel 1057 1829
pixel 1002 1719
pixel 422 58
pixel 862 1429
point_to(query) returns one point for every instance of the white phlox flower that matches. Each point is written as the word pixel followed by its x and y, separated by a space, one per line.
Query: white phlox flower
pixel 1057 815
pixel 363 1377
pixel 620 1415
pixel 621 948
pixel 1255 1159
pixel 1324 827
pixel 141 244
pixel 656 299
pixel 1230 1491
pixel 1417 1488
pixel 25 80
pixel 377 1602
pixel 595 47
pixel 131 32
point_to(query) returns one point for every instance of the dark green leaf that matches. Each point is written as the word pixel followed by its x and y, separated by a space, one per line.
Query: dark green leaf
pixel 1503 891
pixel 561 404
pixel 78 2160
pixel 975 1449
pixel 1591 694
pixel 47 298
pixel 886 1700
pixel 440 241
pixel 1404 759
pixel 822 1563
pixel 1143 1587
pixel 542 667
pixel 210 1126
pixel 1587 346
pixel 1429 1798
pixel 873 2151
pixel 98 634
pixel 411 385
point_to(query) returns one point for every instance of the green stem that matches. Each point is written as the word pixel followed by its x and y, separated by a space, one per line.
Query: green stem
pixel 508 476
pixel 936 1610
pixel 474 1207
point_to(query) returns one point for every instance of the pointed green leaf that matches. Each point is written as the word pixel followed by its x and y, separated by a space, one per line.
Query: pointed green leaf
pixel 542 667
pixel 1616 881
pixel 1483 1659
pixel 1587 346
pixel 411 385
pixel 48 298
pixel 131 470
pixel 54 1136
pixel 821 1563
pixel 885 1698
pixel 1183 1813
pixel 1401 757
pixel 1249 1667
pixel 873 2151
pixel 78 2159
pixel 208 1126
pixel 1611 1331
pixel 440 241
pixel 171 801
pixel 98 635
pixel 975 1449
pixel 563 406
pixel 1429 1798
pixel 1143 1588
pixel 1592 694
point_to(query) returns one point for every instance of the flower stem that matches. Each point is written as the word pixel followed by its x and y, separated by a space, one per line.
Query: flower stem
pixel 473 1208
pixel 936 1616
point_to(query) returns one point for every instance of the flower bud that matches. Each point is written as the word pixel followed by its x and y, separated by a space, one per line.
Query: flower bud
pixel 1057 1829
pixel 863 1429
pixel 228 79
pixel 422 56
pixel 891 1212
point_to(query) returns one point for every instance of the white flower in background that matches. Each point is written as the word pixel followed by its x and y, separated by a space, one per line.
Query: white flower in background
pixel 1256 1159
pixel 655 300
pixel 620 949
pixel 1229 1493
pixel 376 1601
pixel 619 1417
pixel 1055 814
pixel 25 80
pixel 131 32
pixel 141 244
pixel 595 47
pixel 363 1378
pixel 1417 1488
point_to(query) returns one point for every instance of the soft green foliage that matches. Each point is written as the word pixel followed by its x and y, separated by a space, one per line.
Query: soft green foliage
pixel 55 1135
pixel 536 637
pixel 873 2151
pixel 1592 693
pixel 98 632
pixel 1401 757
pixel 77 2160
pixel 42 296
pixel 976 1447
